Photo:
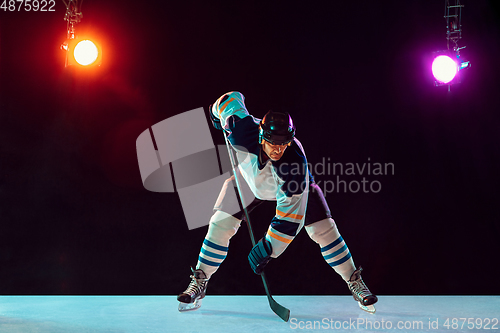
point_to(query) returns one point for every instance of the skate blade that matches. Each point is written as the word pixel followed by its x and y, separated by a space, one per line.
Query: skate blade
pixel 367 308
pixel 183 307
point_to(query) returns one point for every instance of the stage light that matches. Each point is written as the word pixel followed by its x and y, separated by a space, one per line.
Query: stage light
pixel 82 52
pixel 447 64
pixel 444 69
pixel 86 52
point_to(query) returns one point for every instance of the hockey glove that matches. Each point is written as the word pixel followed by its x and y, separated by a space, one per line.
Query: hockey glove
pixel 215 121
pixel 260 255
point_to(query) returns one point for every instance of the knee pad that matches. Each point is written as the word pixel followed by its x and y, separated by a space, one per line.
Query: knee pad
pixel 222 227
pixel 322 231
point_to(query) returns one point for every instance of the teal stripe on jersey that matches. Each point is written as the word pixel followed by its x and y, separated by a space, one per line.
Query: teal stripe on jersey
pixel 340 261
pixel 336 253
pixel 208 262
pixel 213 255
pixel 215 246
pixel 332 244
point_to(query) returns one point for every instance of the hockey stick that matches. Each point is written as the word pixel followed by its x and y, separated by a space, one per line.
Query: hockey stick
pixel 280 310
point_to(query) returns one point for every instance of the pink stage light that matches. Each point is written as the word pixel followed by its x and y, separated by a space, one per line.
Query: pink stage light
pixel 444 69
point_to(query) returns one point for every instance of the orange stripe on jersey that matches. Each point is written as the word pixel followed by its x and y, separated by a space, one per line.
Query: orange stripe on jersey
pixel 293 216
pixel 281 239
pixel 225 106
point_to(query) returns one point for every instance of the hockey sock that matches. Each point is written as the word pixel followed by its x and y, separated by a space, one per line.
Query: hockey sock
pixel 333 247
pixel 215 246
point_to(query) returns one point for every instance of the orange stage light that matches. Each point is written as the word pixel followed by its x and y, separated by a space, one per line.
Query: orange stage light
pixel 82 53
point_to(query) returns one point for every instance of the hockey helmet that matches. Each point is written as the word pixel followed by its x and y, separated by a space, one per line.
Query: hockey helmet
pixel 276 128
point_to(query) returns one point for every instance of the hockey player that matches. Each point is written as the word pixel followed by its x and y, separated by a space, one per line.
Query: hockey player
pixel 273 164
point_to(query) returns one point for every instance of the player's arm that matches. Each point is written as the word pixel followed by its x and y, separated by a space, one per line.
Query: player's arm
pixel 291 206
pixel 289 218
pixel 229 104
pixel 284 227
pixel 282 230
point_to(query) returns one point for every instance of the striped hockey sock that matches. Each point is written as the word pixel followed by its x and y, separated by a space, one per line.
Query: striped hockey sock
pixel 338 256
pixel 215 246
pixel 211 256
pixel 333 247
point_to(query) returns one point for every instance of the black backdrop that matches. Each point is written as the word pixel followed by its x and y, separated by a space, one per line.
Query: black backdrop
pixel 75 218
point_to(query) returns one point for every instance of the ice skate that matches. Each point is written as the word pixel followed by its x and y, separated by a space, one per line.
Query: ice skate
pixel 361 293
pixel 191 298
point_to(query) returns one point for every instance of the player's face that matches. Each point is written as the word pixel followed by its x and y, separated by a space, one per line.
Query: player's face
pixel 273 151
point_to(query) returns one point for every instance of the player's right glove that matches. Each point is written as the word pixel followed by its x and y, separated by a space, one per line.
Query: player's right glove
pixel 260 255
pixel 215 121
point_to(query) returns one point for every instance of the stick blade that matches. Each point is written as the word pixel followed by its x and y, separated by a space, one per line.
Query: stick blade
pixel 279 309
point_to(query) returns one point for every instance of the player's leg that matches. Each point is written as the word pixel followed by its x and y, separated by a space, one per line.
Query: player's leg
pixel 222 227
pixel 322 229
pixel 214 249
pixel 333 247
pixel 213 252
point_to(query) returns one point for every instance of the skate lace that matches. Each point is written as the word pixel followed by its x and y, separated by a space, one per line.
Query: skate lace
pixel 359 288
pixel 196 286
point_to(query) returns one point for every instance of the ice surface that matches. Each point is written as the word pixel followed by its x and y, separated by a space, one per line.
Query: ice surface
pixel 123 314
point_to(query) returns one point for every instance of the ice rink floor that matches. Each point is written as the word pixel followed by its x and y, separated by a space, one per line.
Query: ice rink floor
pixel 103 314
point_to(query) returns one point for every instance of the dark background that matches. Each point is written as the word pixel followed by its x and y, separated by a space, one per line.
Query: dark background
pixel 75 218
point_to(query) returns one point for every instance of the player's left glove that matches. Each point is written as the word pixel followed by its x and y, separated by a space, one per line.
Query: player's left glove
pixel 215 121
pixel 260 255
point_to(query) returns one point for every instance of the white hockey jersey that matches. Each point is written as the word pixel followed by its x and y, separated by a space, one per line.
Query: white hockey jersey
pixel 285 181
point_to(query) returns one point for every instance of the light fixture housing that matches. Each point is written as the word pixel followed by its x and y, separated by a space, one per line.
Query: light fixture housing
pixel 446 67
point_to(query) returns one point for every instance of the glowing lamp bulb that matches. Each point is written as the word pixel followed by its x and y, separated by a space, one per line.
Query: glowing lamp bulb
pixel 85 52
pixel 444 68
